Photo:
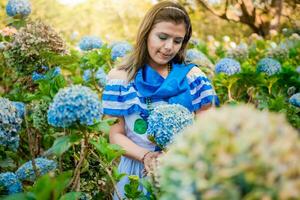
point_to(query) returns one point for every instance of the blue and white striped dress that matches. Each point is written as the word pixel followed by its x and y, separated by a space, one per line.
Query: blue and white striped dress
pixel 121 98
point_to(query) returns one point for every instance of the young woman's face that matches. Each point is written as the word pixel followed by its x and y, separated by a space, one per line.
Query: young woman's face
pixel 164 41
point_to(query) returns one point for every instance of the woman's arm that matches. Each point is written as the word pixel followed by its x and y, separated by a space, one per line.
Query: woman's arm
pixel 198 113
pixel 117 136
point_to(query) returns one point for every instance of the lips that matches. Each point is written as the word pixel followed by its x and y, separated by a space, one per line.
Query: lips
pixel 165 55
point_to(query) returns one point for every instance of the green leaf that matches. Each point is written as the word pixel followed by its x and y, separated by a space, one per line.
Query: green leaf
pixel 104 125
pixel 109 151
pixel 71 196
pixel 62 144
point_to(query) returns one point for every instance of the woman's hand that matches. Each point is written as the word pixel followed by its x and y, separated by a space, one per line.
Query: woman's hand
pixel 150 161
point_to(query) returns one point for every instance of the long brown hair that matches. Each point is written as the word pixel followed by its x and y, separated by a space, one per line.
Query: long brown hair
pixel 163 11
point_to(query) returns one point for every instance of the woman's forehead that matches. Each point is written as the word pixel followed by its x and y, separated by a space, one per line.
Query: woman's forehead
pixel 168 27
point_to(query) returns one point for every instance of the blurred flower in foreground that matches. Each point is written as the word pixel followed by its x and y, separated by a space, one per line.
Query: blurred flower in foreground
pixel 225 156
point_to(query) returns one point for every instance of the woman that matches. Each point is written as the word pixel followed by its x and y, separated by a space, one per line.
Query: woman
pixel 155 73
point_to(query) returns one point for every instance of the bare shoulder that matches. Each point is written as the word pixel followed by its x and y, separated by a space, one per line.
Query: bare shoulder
pixel 196 71
pixel 117 74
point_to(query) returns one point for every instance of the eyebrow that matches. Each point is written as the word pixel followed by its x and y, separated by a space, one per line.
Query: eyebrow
pixel 179 37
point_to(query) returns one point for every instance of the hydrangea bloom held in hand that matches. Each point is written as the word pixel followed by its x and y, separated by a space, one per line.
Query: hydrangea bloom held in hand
pixel 74 104
pixel 100 76
pixel 18 7
pixel 90 42
pixel 120 49
pixel 228 66
pixel 295 100
pixel 268 66
pixel 167 120
pixel 43 165
pixel 10 182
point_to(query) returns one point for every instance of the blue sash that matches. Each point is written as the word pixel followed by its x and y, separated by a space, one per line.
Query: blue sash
pixel 175 88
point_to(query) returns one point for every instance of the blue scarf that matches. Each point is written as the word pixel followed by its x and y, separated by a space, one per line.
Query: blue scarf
pixel 175 88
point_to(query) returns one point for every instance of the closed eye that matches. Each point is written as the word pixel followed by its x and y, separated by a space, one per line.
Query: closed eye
pixel 162 36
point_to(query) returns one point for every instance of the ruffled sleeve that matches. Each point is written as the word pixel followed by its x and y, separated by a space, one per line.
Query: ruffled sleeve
pixel 201 89
pixel 120 98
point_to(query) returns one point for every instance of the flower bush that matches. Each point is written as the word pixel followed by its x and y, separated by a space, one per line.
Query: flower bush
pixel 90 42
pixel 10 182
pixel 280 52
pixel 226 156
pixel 167 120
pixel 228 66
pixel 18 7
pixel 120 49
pixel 30 47
pixel 239 53
pixel 74 104
pixel 268 66
pixel 43 165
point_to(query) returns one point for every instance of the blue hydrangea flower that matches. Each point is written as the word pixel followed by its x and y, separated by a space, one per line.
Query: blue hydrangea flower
pixel 100 76
pixel 298 69
pixel 43 165
pixel 10 182
pixel 268 66
pixel 9 140
pixel 37 76
pixel 90 42
pixel 295 99
pixel 10 124
pixel 197 57
pixel 228 66
pixel 20 108
pixel 75 104
pixel 41 76
pixel 18 7
pixel 194 54
pixel 167 120
pixel 120 49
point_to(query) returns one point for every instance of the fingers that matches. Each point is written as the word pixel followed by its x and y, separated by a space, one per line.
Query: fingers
pixel 150 161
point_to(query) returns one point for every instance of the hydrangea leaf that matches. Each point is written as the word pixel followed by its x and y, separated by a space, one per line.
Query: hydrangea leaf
pixel 62 144
pixel 109 151
pixel 71 196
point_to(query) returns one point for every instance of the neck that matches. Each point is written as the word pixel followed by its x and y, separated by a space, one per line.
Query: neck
pixel 163 70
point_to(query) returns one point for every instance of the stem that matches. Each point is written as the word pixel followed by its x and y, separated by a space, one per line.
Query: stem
pixel 229 93
pixel 103 165
pixel 31 146
pixel 110 65
pixel 76 177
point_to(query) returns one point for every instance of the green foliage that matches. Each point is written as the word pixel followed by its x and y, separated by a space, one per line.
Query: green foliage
pixel 49 188
pixel 131 189
pixel 62 144
pixel 108 151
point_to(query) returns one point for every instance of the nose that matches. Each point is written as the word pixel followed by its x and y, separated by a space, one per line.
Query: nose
pixel 169 44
